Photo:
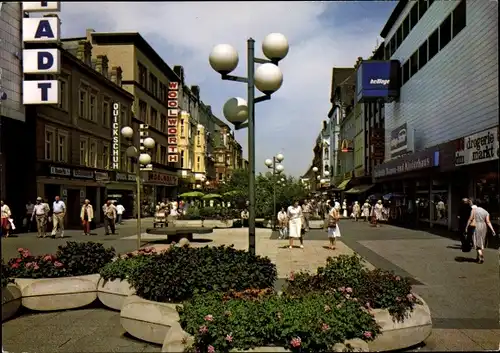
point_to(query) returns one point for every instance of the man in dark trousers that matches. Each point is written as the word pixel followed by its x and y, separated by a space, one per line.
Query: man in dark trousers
pixel 463 217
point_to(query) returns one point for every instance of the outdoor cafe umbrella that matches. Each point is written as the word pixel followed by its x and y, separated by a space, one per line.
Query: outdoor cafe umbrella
pixel 211 196
pixel 192 195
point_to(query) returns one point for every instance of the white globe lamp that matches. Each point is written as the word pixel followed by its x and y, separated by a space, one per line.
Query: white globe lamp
pixel 275 46
pixel 283 179
pixel 149 143
pixel 315 169
pixel 318 177
pixel 223 58
pixel 327 173
pixel 268 162
pixel 268 78
pixel 198 186
pixel 280 157
pixel 144 159
pixel 127 132
pixel 131 152
pixel 322 181
pixel 280 168
pixel 236 110
pixel 207 183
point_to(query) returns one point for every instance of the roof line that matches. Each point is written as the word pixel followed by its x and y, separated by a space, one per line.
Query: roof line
pixel 393 17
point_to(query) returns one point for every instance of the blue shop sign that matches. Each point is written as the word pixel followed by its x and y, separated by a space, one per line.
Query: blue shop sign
pixel 378 80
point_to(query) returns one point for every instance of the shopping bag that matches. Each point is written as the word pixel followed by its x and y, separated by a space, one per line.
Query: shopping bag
pixel 12 225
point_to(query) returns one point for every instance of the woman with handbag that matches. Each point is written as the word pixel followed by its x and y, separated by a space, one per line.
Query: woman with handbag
pixel 333 226
pixel 294 215
pixel 86 215
pixel 480 219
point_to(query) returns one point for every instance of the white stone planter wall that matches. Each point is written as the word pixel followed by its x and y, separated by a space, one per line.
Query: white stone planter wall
pixel 148 320
pixel 113 293
pixel 11 301
pixel 187 223
pixel 48 294
pixel 399 335
pixel 214 223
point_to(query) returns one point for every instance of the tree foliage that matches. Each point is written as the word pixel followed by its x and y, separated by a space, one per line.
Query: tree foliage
pixel 236 191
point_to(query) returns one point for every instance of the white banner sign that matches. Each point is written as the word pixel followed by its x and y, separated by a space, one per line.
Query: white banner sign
pixel 41 29
pixel 480 147
pixel 41 92
pixel 41 61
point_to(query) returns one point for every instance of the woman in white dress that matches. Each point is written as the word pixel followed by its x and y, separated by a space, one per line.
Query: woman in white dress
pixel 356 210
pixel 480 219
pixel 294 214
pixel 344 208
pixel 333 227
pixel 366 210
pixel 377 212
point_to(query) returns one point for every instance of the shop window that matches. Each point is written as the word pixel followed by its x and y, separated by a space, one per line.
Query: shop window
pixel 93 154
pixel 106 114
pixel 406 28
pixel 105 156
pixel 414 15
pixel 414 64
pixel 406 71
pixel 387 51
pixel 143 111
pixel 153 118
pixel 488 195
pixel 82 104
pixel 143 75
pixel 163 123
pixel 433 44
pixel 62 146
pixel 422 8
pixel 422 201
pixel 93 107
pixel 445 33
pixel 84 151
pixel 49 143
pixel 422 55
pixel 153 85
pixel 459 18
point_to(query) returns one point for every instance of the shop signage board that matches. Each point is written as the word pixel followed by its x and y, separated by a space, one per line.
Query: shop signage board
pixel 409 163
pixel 377 144
pixel 41 61
pixel 84 174
pixel 377 80
pixel 477 148
pixel 101 176
pixel 115 137
pixel 163 178
pixel 125 177
pixel 59 171
pixel 402 140
pixel 172 122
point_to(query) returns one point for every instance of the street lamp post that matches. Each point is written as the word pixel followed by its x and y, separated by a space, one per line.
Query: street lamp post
pixel 277 169
pixel 142 159
pixel 268 79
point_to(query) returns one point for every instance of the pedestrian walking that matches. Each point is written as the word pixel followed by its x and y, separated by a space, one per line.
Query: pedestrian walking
pixel 5 224
pixel 282 223
pixel 86 215
pixel 480 218
pixel 377 213
pixel 294 214
pixel 306 214
pixel 344 209
pixel 58 213
pixel 40 213
pixel 245 215
pixel 333 227
pixel 109 217
pixel 28 220
pixel 356 210
pixel 366 210
pixel 119 213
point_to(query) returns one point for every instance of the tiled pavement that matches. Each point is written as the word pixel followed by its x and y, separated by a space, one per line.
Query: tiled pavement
pixel 463 296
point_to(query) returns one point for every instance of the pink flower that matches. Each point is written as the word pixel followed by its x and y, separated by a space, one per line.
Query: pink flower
pixel 209 318
pixel 292 276
pixel 367 334
pixel 29 265
pixel 20 249
pixel 325 327
pixel 35 266
pixel 210 349
pixel 397 278
pixel 229 338
pixel 58 264
pixel 398 299
pixel 47 257
pixel 203 329
pixel 410 297
pixel 26 253
pixel 327 308
pixel 295 342
pixel 18 260
pixel 14 265
pixel 342 289
pixel 348 290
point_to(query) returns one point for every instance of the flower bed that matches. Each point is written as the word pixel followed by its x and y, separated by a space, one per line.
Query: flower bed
pixel 177 274
pixel 315 322
pixel 114 287
pixel 66 280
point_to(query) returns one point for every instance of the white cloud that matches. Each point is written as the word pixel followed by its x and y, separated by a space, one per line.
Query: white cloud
pixel 184 33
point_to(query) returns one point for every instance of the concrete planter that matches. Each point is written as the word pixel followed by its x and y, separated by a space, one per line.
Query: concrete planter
pixel 48 294
pixel 187 223
pixel 400 335
pixel 148 320
pixel 11 301
pixel 215 223
pixel 113 293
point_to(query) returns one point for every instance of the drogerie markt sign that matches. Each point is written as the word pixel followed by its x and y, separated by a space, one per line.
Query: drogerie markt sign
pixel 41 61
pixel 479 147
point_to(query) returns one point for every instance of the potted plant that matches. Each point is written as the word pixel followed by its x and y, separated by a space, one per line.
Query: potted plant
pixel 66 280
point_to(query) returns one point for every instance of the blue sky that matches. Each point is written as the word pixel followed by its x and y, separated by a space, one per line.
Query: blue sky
pixel 321 35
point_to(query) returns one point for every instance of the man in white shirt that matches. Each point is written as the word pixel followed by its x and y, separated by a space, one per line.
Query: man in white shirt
pixel 119 213
pixel 109 217
pixel 244 218
pixel 282 223
pixel 40 211
pixel 58 213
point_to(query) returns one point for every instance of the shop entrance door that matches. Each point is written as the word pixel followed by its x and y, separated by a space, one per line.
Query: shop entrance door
pixel 73 209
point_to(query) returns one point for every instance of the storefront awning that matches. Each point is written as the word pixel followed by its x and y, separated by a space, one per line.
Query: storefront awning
pixel 359 189
pixel 343 185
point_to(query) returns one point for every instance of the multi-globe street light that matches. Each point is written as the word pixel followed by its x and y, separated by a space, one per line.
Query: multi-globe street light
pixel 143 158
pixel 277 169
pixel 268 79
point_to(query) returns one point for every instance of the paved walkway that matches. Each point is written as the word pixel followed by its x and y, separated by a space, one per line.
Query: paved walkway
pixel 463 296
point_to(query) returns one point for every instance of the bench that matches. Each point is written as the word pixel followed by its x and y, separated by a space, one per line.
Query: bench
pixel 174 234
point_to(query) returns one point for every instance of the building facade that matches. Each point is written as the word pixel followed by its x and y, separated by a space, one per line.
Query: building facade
pixel 74 140
pixel 441 134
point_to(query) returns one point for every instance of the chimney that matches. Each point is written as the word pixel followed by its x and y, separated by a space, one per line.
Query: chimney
pixel 179 71
pixel 196 91
pixel 84 52
pixel 116 75
pixel 88 34
pixel 209 108
pixel 102 65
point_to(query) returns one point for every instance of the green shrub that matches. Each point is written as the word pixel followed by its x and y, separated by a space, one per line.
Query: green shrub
pixel 175 275
pixel 193 213
pixel 124 266
pixel 219 213
pixel 72 259
pixel 4 274
pixel 345 274
pixel 312 323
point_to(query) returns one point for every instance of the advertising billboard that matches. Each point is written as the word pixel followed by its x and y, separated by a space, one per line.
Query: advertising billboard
pixel 377 80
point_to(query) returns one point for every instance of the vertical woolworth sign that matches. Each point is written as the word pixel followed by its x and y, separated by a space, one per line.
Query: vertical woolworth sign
pixel 172 115
pixel 41 61
pixel 115 137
